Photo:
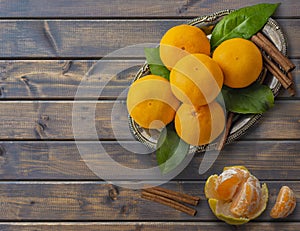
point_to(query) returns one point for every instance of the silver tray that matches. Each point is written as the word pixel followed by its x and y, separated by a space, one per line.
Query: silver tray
pixel 242 123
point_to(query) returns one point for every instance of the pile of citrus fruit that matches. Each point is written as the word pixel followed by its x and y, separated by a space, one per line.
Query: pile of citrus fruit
pixel 196 79
pixel 188 98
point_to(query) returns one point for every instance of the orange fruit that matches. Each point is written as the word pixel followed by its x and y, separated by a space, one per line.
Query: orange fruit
pixel 235 196
pixel 285 203
pixel 182 40
pixel 247 199
pixel 196 79
pixel 199 125
pixel 151 103
pixel 240 60
pixel 229 181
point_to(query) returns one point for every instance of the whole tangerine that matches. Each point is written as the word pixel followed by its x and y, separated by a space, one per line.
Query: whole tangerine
pixel 151 103
pixel 240 60
pixel 199 125
pixel 180 41
pixel 196 79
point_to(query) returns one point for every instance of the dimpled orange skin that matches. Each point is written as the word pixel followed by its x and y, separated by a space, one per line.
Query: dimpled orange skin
pixel 199 125
pixel 151 103
pixel 196 79
pixel 240 60
pixel 180 41
pixel 285 203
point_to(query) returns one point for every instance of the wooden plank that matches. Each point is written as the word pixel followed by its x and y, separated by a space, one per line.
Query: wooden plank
pixel 278 120
pixel 32 160
pixel 144 226
pixel 65 201
pixel 136 8
pixel 53 120
pixel 49 79
pixel 95 38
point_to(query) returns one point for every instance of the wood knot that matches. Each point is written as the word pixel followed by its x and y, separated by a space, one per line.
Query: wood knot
pixel 40 129
pixel 2 150
pixel 113 193
pixel 2 93
pixel 66 66
pixel 125 209
pixel 45 117
pixel 24 79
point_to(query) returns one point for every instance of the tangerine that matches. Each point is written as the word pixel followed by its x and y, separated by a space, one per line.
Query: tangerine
pixel 180 41
pixel 240 60
pixel 199 125
pixel 196 79
pixel 235 196
pixel 151 103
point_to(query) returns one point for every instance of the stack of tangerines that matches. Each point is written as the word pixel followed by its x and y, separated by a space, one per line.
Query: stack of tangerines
pixel 196 79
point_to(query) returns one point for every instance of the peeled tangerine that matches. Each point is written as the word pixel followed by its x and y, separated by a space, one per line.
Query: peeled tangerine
pixel 235 196
pixel 285 203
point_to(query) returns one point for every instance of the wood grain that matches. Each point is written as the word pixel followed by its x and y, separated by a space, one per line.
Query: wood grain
pixel 145 226
pixel 49 79
pixel 52 120
pixel 134 8
pixel 90 201
pixel 46 48
pixel 96 38
pixel 50 160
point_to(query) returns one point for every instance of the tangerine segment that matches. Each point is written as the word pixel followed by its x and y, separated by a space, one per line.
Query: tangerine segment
pixel 262 204
pixel 285 203
pixel 180 41
pixel 247 199
pixel 196 79
pixel 240 60
pixel 151 103
pixel 229 181
pixel 199 125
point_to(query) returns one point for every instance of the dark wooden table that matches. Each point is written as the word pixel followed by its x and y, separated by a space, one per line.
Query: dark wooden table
pixel 46 47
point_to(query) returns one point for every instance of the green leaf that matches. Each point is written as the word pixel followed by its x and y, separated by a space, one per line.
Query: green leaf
pixel 155 63
pixel 255 98
pixel 171 150
pixel 242 23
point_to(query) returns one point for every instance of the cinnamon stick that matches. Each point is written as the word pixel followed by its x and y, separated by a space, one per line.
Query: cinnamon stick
pixel 168 202
pixel 287 64
pixel 283 79
pixel 177 196
pixel 261 41
pixel 264 74
pixel 226 132
pixel 291 89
